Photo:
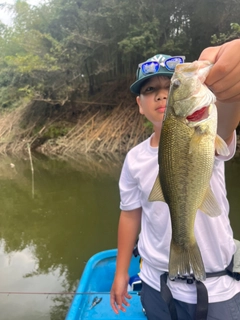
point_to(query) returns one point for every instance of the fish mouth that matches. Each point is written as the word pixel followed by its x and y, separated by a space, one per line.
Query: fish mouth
pixel 198 115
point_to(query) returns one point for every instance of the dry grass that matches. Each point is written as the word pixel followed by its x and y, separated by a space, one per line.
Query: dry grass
pixel 108 123
pixel 103 131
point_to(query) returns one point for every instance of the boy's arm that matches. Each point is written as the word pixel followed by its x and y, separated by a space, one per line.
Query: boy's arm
pixel 128 231
pixel 228 119
pixel 224 81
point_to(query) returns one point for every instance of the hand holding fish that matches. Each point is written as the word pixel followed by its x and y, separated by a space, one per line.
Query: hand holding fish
pixel 224 81
pixel 224 77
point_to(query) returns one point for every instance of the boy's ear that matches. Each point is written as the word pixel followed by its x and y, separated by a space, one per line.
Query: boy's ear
pixel 139 105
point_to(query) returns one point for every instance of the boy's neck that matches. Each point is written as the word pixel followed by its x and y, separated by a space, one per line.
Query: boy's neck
pixel 155 138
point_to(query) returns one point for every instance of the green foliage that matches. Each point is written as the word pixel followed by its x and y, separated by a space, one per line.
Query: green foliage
pixel 54 51
pixel 143 41
pixel 55 131
pixel 230 35
pixel 148 125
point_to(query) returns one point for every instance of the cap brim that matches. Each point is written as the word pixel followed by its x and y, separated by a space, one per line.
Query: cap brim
pixel 136 86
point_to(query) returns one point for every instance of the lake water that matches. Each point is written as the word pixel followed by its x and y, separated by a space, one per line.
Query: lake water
pixel 53 221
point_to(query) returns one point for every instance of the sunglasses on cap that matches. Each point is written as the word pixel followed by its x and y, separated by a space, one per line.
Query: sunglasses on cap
pixel 154 66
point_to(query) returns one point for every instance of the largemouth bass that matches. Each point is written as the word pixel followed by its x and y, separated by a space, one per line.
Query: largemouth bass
pixel 186 157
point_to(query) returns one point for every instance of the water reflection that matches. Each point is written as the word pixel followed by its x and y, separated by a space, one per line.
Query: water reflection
pixel 19 273
pixel 48 238
pixel 45 241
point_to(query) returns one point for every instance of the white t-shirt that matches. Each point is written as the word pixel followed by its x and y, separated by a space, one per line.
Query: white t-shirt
pixel 214 235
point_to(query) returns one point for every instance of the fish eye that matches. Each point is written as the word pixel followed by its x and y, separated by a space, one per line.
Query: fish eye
pixel 176 83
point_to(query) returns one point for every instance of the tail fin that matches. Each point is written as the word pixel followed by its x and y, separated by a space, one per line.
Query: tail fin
pixel 183 260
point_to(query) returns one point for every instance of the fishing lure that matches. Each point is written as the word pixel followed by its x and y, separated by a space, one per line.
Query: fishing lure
pixel 95 301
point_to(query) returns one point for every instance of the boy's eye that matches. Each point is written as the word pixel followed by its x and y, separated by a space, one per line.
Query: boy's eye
pixel 148 89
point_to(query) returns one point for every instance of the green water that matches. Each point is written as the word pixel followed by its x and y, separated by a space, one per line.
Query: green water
pixel 46 240
pixel 49 229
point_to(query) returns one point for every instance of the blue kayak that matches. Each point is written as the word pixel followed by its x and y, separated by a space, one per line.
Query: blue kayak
pixel 92 298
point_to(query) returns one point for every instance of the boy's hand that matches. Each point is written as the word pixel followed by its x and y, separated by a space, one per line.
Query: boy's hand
pixel 224 77
pixel 119 294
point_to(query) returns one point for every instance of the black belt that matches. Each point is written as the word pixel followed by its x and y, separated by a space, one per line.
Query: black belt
pixel 202 294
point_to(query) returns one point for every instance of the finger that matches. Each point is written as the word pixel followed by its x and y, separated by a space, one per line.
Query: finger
pixel 231 94
pixel 209 54
pixel 116 303
pixel 128 296
pixel 121 307
pixel 113 304
pixel 115 308
pixel 233 99
pixel 226 61
pixel 228 88
pixel 223 70
pixel 125 302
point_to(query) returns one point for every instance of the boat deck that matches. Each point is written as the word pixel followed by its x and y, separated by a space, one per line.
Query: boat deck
pixel 104 311
pixel 96 281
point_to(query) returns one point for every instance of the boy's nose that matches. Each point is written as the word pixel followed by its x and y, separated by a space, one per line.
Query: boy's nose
pixel 161 95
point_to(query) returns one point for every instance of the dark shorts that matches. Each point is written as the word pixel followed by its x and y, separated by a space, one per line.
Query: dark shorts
pixel 156 308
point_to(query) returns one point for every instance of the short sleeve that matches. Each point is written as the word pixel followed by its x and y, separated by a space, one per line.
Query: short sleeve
pixel 129 190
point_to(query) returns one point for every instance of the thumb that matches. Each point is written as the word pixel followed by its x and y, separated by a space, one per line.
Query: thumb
pixel 211 54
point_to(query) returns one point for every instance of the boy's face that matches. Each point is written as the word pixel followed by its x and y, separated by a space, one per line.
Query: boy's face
pixel 153 97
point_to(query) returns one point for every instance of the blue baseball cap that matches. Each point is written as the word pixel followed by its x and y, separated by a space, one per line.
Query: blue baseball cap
pixel 158 65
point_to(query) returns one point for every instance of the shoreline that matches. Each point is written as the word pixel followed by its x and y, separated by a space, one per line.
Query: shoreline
pixel 104 129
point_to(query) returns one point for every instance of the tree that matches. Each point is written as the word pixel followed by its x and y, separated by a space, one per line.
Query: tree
pixel 64 49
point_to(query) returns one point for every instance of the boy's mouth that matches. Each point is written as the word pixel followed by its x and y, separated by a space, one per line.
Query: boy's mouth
pixel 161 109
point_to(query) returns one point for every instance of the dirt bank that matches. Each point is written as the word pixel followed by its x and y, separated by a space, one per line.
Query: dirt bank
pixel 108 123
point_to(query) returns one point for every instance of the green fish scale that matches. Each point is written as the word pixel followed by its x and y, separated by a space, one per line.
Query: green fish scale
pixel 184 175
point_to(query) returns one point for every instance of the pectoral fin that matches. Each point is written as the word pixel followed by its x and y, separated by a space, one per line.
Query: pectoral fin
pixel 210 205
pixel 156 194
pixel 194 143
pixel 221 146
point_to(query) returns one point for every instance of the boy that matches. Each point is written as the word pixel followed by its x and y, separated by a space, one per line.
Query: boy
pixel 139 172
